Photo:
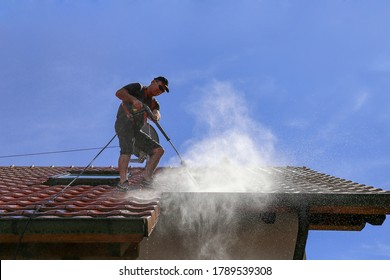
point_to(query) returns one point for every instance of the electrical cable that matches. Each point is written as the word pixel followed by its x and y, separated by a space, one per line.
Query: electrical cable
pixel 55 152
pixel 55 196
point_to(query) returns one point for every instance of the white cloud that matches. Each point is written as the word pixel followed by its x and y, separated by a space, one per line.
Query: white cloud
pixel 360 100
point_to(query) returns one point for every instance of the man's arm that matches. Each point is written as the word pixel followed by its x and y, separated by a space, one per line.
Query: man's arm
pixel 156 114
pixel 124 95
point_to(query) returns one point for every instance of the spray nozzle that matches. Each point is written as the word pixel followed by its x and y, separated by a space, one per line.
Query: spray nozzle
pixel 148 111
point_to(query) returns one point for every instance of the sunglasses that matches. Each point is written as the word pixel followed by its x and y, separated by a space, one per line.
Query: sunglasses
pixel 160 87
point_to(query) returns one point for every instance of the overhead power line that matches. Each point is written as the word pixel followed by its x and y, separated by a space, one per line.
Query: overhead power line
pixel 55 152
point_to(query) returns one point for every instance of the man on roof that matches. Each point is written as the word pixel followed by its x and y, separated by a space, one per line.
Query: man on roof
pixel 131 117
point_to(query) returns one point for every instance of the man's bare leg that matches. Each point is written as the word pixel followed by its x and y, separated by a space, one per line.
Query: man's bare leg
pixel 152 163
pixel 123 165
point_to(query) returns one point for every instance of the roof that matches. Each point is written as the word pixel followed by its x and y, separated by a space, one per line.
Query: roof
pixel 79 213
pixel 332 203
pixel 326 194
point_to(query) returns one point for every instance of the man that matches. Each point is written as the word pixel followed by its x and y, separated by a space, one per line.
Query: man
pixel 131 117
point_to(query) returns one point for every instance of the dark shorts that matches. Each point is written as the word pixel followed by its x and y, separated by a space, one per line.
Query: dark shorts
pixel 130 137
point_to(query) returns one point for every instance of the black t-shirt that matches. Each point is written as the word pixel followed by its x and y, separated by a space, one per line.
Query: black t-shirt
pixel 138 91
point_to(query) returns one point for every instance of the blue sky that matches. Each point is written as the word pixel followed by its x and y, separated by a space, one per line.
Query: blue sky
pixel 313 77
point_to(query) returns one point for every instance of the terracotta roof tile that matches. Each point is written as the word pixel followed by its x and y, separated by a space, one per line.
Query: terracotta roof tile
pixel 291 187
pixel 302 180
pixel 23 189
pixel 23 194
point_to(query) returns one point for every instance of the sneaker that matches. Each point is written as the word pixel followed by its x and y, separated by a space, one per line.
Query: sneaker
pixel 140 182
pixel 124 187
pixel 145 184
pixel 127 187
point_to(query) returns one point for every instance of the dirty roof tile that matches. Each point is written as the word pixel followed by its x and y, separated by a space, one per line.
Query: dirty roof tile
pixel 23 192
pixel 23 195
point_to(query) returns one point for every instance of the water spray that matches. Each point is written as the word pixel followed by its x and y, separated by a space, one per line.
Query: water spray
pixel 183 164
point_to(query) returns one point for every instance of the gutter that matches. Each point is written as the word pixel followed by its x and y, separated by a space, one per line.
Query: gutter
pixel 303 232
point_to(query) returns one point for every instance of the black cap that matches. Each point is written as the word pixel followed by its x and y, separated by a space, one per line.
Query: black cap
pixel 164 81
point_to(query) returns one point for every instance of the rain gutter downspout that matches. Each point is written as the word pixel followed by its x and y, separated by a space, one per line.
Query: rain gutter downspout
pixel 303 232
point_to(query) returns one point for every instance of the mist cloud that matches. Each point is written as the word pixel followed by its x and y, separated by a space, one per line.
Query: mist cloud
pixel 202 202
pixel 234 146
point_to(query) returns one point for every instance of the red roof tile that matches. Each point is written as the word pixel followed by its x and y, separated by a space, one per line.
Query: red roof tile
pixel 23 191
pixel 23 195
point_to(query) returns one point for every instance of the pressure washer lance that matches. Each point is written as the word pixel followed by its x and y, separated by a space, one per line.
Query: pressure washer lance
pixel 151 116
pixel 183 164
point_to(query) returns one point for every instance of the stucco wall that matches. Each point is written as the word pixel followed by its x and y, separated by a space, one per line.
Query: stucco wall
pixel 205 228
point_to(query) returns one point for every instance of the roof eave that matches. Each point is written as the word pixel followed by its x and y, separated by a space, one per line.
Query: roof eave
pixel 45 229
